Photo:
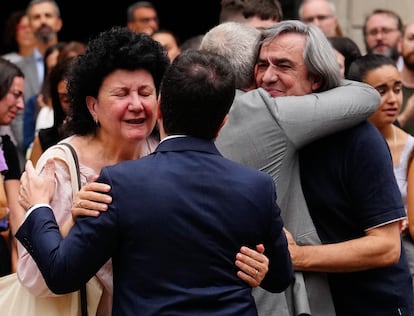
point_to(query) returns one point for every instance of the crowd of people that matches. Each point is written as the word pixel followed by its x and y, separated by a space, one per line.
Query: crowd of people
pixel 262 168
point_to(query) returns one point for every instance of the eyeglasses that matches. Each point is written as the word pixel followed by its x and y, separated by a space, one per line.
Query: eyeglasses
pixel 319 17
pixel 383 31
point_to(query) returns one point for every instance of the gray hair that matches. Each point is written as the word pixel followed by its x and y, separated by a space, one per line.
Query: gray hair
pixel 331 5
pixel 239 43
pixel 318 54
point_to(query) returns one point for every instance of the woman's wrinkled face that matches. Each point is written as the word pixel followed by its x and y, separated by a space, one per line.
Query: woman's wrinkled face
pixel 387 81
pixel 126 106
pixel 12 102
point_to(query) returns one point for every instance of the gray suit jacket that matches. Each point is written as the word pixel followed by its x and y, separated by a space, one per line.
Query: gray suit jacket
pixel 31 88
pixel 31 82
pixel 266 133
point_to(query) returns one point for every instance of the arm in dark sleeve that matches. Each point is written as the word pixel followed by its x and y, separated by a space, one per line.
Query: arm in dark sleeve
pixel 67 263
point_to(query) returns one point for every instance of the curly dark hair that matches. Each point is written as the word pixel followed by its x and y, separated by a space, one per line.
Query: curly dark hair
pixel 114 49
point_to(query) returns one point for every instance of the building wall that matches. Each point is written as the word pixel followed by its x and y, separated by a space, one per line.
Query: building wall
pixel 352 13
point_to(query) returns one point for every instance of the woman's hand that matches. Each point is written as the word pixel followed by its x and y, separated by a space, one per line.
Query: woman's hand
pixel 91 200
pixel 253 265
pixel 34 188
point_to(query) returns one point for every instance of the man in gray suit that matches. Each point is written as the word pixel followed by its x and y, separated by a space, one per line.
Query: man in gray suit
pixel 265 132
pixel 45 21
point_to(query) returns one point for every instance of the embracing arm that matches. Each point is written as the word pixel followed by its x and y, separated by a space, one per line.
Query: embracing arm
pixel 310 117
pixel 27 269
pixel 253 265
pixel 59 259
pixel 379 247
pixel 61 202
pixel 92 199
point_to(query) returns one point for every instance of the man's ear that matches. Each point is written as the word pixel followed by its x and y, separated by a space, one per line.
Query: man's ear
pixel 60 25
pixel 160 122
pixel 159 114
pixel 316 83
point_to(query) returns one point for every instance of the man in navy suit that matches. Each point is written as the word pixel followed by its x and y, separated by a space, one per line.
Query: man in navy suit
pixel 178 216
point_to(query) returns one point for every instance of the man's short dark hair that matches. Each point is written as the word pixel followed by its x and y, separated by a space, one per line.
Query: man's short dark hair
pixel 197 92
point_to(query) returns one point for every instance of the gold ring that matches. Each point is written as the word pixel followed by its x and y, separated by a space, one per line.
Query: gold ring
pixel 79 204
pixel 257 272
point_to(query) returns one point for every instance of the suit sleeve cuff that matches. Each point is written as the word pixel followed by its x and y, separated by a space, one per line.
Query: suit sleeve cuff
pixel 34 207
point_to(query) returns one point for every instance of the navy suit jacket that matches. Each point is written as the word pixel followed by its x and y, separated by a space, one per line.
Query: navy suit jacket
pixel 177 220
